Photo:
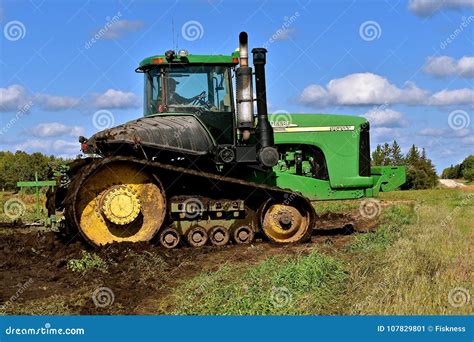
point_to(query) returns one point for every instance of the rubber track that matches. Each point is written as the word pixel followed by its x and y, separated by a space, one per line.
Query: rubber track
pixel 273 192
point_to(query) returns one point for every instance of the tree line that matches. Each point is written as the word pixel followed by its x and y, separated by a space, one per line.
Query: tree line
pixel 21 166
pixel 421 173
pixel 463 170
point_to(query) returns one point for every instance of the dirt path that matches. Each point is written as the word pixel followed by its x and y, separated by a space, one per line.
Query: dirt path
pixel 451 183
pixel 36 280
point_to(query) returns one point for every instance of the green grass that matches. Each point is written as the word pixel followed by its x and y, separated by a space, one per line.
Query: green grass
pixel 408 266
pixel 279 285
pixel 342 206
pixel 88 261
pixel 394 218
pixel 411 270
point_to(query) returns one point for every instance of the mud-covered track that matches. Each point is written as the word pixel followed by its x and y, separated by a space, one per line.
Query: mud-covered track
pixel 175 181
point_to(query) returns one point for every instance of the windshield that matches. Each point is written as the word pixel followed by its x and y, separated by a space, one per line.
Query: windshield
pixel 185 88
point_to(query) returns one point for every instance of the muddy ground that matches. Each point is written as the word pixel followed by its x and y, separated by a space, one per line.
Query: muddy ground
pixel 35 277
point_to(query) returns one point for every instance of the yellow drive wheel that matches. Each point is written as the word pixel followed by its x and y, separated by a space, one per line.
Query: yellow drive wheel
pixel 285 224
pixel 119 202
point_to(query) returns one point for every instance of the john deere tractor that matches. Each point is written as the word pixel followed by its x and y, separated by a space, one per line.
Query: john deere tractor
pixel 200 167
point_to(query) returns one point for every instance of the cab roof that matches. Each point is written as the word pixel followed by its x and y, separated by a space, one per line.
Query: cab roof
pixel 232 59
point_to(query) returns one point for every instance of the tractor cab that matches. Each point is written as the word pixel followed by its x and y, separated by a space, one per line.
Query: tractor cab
pixel 182 84
pixel 200 85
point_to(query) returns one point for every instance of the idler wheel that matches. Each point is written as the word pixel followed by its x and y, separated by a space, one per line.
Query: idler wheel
pixel 243 234
pixel 197 236
pixel 219 236
pixel 170 238
pixel 286 224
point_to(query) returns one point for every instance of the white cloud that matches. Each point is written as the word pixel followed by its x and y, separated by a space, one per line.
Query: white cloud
pixel 12 98
pixel 362 89
pixel 446 97
pixel 468 140
pixel 56 103
pixel 382 134
pixel 445 132
pixel 119 28
pixel 380 117
pixel 426 8
pixel 115 99
pixel 445 66
pixel 48 146
pixel 432 132
pixel 55 129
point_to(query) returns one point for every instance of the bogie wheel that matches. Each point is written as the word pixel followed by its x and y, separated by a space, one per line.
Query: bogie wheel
pixel 119 202
pixel 197 236
pixel 286 224
pixel 243 234
pixel 219 236
pixel 170 238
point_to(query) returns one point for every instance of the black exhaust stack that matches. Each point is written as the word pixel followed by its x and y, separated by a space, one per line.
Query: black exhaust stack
pixel 268 154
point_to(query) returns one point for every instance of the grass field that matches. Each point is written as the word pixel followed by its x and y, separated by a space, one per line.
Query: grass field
pixel 417 262
pixel 421 253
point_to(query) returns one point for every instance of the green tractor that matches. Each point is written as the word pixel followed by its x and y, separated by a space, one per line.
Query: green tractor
pixel 201 168
pixel 327 157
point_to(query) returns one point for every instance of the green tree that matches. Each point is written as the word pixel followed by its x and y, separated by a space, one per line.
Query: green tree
pixel 377 156
pixel 467 169
pixel 396 154
pixel 20 165
pixel 387 152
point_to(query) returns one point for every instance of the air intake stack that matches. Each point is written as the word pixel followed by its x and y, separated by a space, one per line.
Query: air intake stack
pixel 244 91
pixel 267 154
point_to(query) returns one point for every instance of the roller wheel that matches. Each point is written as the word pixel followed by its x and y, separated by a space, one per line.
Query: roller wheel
pixel 243 234
pixel 170 238
pixel 219 236
pixel 197 236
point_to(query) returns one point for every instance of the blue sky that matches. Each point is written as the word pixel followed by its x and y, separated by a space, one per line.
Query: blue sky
pixel 408 66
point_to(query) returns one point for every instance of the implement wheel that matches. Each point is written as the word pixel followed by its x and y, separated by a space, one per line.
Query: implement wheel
pixel 286 224
pixel 119 202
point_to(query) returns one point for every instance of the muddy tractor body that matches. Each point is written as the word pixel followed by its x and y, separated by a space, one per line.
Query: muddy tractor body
pixel 201 167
